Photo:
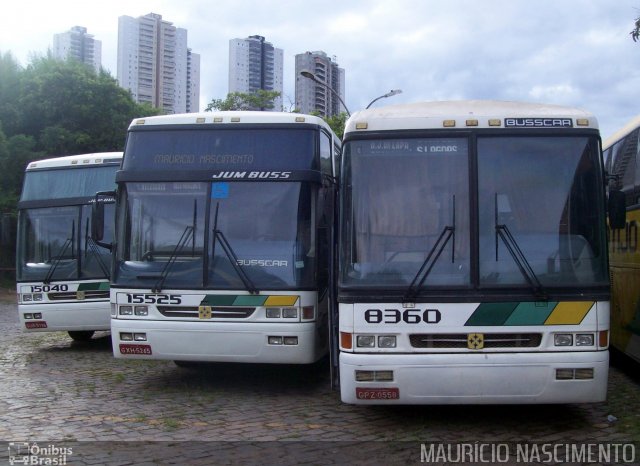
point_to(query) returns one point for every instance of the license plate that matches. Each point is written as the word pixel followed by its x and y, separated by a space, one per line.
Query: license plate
pixel 37 324
pixel 377 393
pixel 134 349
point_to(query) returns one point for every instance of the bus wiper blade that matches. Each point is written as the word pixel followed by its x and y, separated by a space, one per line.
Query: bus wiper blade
pixel 184 239
pixel 231 255
pixel 447 233
pixel 503 232
pixel 428 264
pixel 56 261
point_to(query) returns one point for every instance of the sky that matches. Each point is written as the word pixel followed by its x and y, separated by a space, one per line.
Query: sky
pixel 567 52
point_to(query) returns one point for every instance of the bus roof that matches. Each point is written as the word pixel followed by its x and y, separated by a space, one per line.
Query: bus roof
pixel 76 160
pixel 231 118
pixel 468 113
pixel 622 132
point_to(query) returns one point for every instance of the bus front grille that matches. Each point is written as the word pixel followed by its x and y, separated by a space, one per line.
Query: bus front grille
pixel 234 312
pixel 490 340
pixel 78 295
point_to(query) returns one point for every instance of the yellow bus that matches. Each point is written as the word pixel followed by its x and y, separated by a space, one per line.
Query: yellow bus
pixel 622 163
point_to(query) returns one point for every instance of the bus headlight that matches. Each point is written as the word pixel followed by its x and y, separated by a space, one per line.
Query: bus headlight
pixel 37 296
pixel 290 313
pixel 563 339
pixel 584 339
pixel 387 341
pixel 366 341
pixel 273 312
pixel 126 310
pixel 140 310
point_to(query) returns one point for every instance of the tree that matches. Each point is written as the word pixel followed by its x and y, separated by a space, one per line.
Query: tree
pixel 69 108
pixel 10 73
pixel 337 123
pixel 54 108
pixel 635 34
pixel 261 99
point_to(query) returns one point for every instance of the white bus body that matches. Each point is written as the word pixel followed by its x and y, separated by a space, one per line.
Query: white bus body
pixel 472 255
pixel 224 222
pixel 62 275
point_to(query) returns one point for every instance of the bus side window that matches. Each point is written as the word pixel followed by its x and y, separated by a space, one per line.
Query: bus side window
pixel 325 154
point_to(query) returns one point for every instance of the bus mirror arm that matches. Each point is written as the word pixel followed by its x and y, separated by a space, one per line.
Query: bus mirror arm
pixel 98 217
pixel 617 209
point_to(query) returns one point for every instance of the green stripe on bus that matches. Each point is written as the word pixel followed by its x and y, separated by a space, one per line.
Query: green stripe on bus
pixel 491 314
pixel 531 313
pixel 245 300
pixel 218 300
pixel 93 286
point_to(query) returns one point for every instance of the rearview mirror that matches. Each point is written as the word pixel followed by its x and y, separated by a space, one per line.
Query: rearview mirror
pixel 617 209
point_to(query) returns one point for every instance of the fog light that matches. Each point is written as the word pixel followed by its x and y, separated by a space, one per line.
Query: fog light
pixel 387 341
pixel 37 315
pixel 563 339
pixel 275 340
pixel 140 336
pixel 37 296
pixel 290 313
pixel 290 340
pixel 126 310
pixel 273 312
pixel 383 376
pixel 586 373
pixel 564 374
pixel 584 339
pixel 366 341
pixel 141 310
pixel 365 376
pixel 28 316
pixel 126 336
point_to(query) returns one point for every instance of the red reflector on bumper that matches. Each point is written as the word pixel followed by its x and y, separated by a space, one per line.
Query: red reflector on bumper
pixel 134 349
pixel 36 324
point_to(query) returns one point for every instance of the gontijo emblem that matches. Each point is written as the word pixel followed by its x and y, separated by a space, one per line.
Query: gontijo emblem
pixel 475 341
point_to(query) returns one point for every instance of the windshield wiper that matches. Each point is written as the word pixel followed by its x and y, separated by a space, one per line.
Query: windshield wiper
pixel 228 250
pixel 434 254
pixel 56 261
pixel 184 239
pixel 503 232
pixel 91 246
pixel 187 234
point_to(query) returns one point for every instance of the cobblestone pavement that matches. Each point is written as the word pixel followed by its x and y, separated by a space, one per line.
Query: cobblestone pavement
pixel 60 394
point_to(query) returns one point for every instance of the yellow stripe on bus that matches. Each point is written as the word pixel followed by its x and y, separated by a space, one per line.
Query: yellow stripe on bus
pixel 569 313
pixel 281 300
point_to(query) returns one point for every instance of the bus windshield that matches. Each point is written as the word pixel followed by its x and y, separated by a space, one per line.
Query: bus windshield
pixel 189 235
pixel 543 193
pixel 408 210
pixel 403 197
pixel 66 183
pixel 55 244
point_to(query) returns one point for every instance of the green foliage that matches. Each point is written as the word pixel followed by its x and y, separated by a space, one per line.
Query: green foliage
pixel 260 100
pixel 53 108
pixel 337 123
pixel 635 34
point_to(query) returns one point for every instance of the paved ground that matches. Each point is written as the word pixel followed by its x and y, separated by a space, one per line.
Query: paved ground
pixel 64 395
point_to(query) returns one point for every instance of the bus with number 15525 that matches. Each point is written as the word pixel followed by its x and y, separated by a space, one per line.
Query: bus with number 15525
pixel 223 231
